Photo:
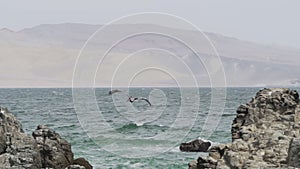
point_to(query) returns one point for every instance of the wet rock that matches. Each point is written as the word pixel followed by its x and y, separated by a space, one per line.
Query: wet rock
pixel 265 134
pixel 195 146
pixel 82 162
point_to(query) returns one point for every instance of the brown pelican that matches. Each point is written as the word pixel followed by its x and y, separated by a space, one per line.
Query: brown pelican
pixel 114 91
pixel 132 99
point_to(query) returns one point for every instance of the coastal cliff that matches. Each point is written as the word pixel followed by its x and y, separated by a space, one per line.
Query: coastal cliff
pixel 265 134
pixel 44 149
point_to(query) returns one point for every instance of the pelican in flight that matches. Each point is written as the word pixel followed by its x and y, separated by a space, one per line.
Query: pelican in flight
pixel 132 99
pixel 114 91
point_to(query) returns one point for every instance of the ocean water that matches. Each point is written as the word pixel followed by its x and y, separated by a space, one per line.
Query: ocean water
pixel 112 133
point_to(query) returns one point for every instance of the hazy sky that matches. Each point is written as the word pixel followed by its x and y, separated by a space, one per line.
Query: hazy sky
pixel 268 21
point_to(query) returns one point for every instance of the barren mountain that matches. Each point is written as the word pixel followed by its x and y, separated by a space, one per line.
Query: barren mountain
pixel 45 56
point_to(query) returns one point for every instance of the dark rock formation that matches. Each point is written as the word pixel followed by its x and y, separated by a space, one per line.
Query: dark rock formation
pixel 265 134
pixel 44 149
pixel 82 162
pixel 195 146
pixel 55 151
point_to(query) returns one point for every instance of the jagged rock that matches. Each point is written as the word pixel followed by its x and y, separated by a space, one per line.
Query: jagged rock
pixel 44 149
pixel 8 125
pixel 17 149
pixel 265 134
pixel 55 151
pixel 82 162
pixel 195 146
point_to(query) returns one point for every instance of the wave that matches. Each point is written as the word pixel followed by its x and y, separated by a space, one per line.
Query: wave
pixel 129 126
pixel 134 126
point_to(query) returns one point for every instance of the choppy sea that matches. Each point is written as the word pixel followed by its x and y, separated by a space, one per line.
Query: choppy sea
pixel 111 132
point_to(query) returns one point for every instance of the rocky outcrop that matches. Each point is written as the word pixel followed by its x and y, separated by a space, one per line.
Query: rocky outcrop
pixel 195 146
pixel 17 149
pixel 265 134
pixel 55 151
pixel 44 149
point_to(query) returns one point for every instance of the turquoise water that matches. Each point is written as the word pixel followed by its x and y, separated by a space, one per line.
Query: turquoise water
pixel 142 137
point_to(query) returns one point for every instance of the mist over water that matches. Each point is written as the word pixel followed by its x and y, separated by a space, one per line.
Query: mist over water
pixel 54 107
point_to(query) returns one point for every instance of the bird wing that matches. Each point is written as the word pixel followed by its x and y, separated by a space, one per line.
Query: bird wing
pixel 145 99
pixel 129 99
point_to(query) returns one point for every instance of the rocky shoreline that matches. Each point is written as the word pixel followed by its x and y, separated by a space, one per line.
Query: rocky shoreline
pixel 265 134
pixel 44 149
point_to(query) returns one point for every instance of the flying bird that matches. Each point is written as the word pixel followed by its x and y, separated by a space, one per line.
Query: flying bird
pixel 132 99
pixel 114 91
